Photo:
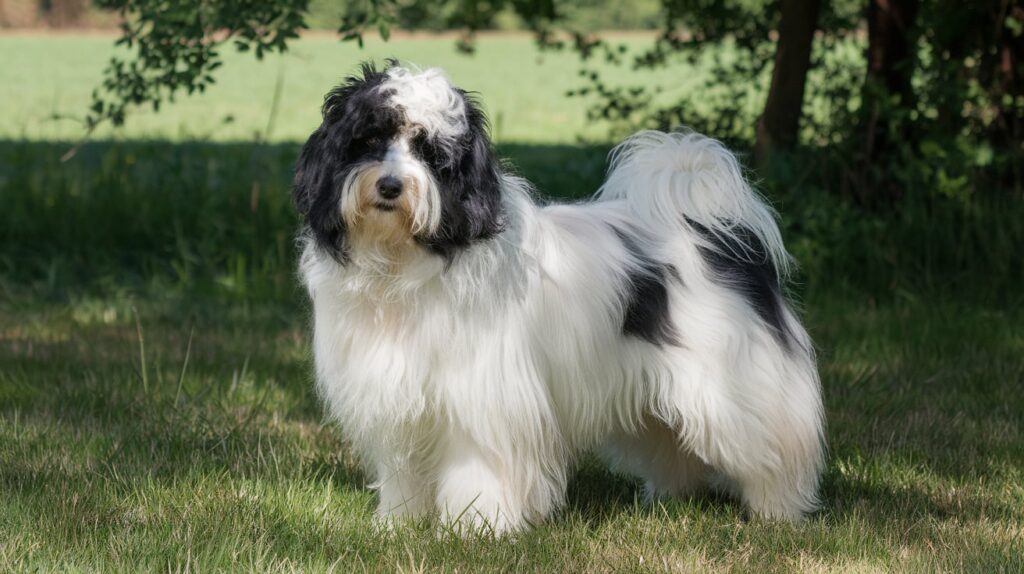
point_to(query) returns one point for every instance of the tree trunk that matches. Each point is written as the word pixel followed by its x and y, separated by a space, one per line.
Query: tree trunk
pixel 890 47
pixel 1009 121
pixel 779 124
pixel 890 66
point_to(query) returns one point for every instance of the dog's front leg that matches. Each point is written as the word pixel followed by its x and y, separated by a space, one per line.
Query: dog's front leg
pixel 403 493
pixel 475 493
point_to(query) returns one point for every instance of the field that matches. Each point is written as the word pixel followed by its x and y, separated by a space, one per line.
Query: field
pixel 522 89
pixel 156 402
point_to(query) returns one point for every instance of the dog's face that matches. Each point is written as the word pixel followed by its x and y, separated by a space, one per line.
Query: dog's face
pixel 401 162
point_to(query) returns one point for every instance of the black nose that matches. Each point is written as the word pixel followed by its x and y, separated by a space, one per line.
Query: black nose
pixel 389 187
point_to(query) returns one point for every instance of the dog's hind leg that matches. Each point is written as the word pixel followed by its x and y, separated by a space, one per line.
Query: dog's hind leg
pixel 759 428
pixel 655 454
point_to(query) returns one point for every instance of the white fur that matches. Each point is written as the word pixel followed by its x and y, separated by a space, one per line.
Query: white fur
pixel 469 389
pixel 428 100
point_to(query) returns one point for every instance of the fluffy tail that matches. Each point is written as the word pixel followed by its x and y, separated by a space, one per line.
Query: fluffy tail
pixel 770 442
pixel 684 179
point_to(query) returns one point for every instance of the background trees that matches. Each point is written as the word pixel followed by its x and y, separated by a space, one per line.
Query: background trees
pixel 935 102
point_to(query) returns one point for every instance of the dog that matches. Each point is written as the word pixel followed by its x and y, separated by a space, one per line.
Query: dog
pixel 472 342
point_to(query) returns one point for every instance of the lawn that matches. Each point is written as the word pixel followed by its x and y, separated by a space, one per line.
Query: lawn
pixel 46 82
pixel 156 402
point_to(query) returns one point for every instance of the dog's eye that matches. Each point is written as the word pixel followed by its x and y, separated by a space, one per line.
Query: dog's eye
pixel 366 142
pixel 370 141
pixel 421 146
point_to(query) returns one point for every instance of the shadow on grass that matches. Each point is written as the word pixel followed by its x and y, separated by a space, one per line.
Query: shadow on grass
pixel 152 166
pixel 597 497
pixel 200 234
pixel 213 218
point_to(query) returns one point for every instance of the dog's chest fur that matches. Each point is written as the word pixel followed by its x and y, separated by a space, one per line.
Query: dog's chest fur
pixel 403 362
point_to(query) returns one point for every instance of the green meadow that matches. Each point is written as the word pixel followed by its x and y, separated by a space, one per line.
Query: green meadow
pixel 47 81
pixel 156 401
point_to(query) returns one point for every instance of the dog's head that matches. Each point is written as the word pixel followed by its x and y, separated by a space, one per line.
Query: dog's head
pixel 402 160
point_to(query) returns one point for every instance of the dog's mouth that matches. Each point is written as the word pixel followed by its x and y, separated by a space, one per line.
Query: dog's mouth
pixel 386 207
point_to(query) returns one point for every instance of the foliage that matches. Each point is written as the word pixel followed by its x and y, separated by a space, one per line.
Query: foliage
pixel 726 103
pixel 962 134
pixel 177 44
pixel 968 75
pixel 45 92
pixel 468 16
pixel 176 47
pixel 433 16
pixel 942 235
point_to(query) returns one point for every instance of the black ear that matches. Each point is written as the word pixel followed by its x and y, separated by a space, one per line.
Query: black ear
pixel 470 189
pixel 481 178
pixel 310 168
pixel 316 191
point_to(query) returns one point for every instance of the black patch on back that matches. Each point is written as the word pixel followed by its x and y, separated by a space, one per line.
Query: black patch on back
pixel 647 313
pixel 744 266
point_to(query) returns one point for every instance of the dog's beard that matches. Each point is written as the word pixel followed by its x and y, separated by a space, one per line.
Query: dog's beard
pixel 383 232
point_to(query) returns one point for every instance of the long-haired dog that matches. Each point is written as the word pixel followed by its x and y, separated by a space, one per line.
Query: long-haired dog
pixel 472 343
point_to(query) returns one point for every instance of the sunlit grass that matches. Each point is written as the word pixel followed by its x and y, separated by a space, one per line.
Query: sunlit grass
pixel 522 89
pixel 226 463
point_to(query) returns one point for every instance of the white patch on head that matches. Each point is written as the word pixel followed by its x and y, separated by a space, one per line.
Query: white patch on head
pixel 429 102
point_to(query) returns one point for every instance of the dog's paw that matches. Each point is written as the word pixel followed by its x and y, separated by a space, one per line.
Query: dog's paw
pixel 472 522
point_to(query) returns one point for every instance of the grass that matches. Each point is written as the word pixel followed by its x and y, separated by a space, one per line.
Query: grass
pixel 523 90
pixel 193 440
pixel 156 403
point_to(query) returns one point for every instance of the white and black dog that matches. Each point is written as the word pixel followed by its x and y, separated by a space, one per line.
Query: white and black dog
pixel 472 343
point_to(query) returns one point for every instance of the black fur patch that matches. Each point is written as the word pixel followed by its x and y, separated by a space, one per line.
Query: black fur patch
pixel 358 126
pixel 470 181
pixel 647 312
pixel 745 267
